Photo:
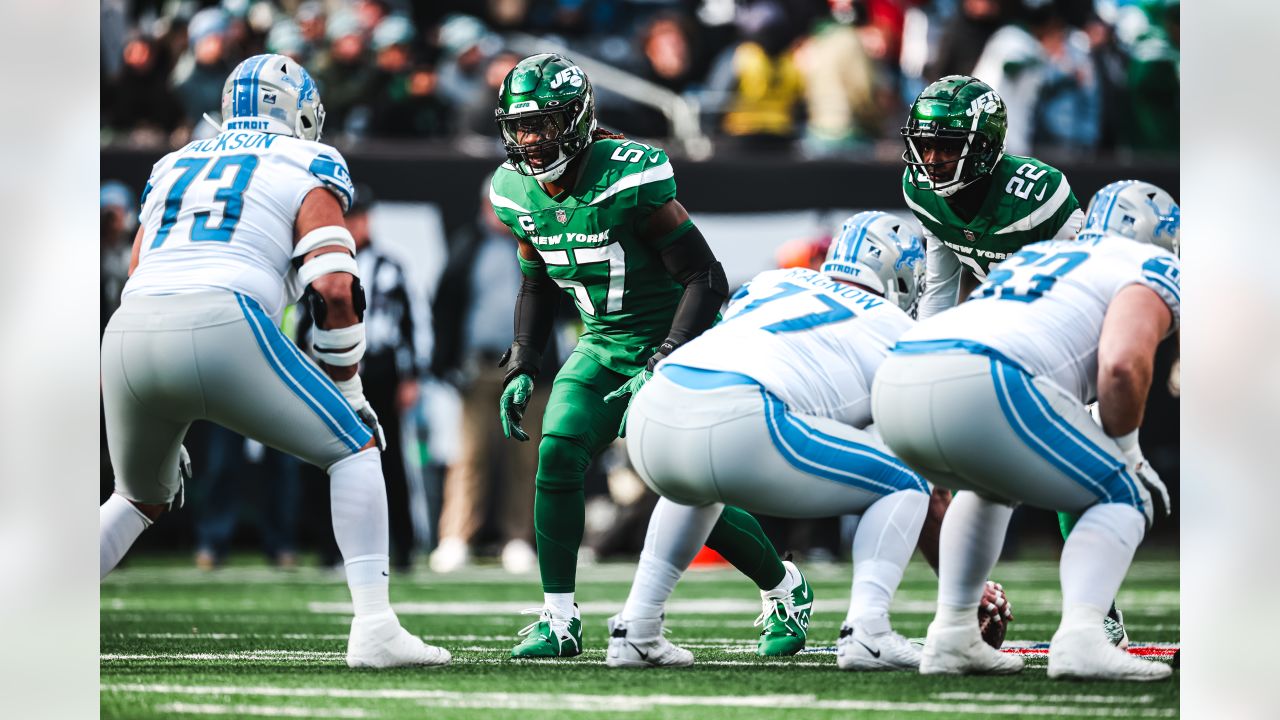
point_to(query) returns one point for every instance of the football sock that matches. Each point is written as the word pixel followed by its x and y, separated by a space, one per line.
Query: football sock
pixel 1097 555
pixel 1066 521
pixel 559 510
pixel 358 500
pixel 882 546
pixel 119 524
pixel 968 546
pixel 738 537
pixel 561 604
pixel 676 533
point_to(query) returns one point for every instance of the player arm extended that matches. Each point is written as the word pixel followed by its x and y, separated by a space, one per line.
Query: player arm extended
pixel 325 255
pixel 1136 321
pixel 534 316
pixel 942 278
pixel 688 259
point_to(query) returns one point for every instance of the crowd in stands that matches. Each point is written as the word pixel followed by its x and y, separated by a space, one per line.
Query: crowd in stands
pixel 828 77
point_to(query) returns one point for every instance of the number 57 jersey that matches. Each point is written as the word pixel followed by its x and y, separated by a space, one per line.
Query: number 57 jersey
pixel 219 215
pixel 1043 308
pixel 812 341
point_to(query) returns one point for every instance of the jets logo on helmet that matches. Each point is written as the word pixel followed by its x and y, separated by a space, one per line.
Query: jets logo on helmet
pixel 879 251
pixel 272 94
pixel 546 114
pixel 954 134
pixel 1137 210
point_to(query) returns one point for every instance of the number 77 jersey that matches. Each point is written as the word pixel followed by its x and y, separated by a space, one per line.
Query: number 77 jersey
pixel 219 215
pixel 814 342
pixel 1043 308
pixel 589 240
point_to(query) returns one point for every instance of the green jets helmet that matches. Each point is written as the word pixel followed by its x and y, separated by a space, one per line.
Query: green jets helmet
pixel 965 119
pixel 547 114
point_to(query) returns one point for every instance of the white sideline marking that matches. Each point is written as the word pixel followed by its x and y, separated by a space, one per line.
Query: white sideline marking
pixel 293 636
pixel 636 703
pixel 1024 697
pixel 260 710
pixel 245 655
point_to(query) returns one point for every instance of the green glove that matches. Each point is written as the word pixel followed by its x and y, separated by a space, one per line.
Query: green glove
pixel 512 404
pixel 630 387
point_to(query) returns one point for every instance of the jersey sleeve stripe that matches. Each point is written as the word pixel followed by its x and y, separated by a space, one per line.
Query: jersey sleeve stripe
pixel 502 202
pixel 653 174
pixel 1042 213
pixel 1165 283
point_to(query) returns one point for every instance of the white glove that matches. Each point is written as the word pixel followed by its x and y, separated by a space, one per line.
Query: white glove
pixel 353 391
pixel 1149 483
pixel 184 477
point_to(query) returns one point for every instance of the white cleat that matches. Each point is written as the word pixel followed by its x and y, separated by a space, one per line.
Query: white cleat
pixel 380 642
pixel 640 644
pixel 449 556
pixel 960 650
pixel 858 649
pixel 1083 652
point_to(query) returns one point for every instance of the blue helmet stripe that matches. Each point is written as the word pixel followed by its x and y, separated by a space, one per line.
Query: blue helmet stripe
pixel 257 70
pixel 852 241
pixel 1107 197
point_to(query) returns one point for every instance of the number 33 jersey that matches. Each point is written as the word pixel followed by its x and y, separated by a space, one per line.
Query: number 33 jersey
pixel 589 241
pixel 812 341
pixel 1043 308
pixel 220 212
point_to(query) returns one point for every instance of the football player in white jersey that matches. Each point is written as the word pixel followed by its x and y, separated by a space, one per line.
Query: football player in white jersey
pixel 233 228
pixel 770 411
pixel 989 399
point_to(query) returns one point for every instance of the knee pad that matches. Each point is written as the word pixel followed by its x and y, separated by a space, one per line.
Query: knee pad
pixel 562 464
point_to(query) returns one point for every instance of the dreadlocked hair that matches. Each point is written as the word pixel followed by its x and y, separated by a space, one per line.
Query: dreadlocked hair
pixel 602 134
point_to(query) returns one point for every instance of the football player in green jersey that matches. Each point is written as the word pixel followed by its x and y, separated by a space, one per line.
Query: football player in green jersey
pixel 596 214
pixel 979 205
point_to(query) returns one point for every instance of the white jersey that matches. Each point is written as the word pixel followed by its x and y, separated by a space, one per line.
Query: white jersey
pixel 1043 307
pixel 812 341
pixel 219 214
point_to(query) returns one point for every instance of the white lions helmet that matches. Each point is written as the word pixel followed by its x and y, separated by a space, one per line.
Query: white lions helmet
pixel 272 94
pixel 879 251
pixel 1137 210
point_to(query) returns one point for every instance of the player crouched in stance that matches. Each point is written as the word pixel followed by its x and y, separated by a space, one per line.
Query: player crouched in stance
pixel 232 228
pixel 770 411
pixel 989 399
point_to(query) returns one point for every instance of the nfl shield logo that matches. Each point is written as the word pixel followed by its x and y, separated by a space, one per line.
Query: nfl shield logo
pixel 561 215
pixel 968 235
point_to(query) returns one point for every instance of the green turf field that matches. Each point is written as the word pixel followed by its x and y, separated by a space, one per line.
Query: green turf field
pixel 249 641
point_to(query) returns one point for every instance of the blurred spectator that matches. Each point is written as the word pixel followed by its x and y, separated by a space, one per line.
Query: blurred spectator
pixel 669 52
pixel 119 214
pixel 1154 77
pixel 472 312
pixel 465 49
pixel 286 39
pixel 476 114
pixel 839 89
pixel 763 84
pixel 403 98
pixel 311 23
pixel 201 72
pixel 343 73
pixel 964 37
pixel 1045 76
pixel 140 102
pixel 233 467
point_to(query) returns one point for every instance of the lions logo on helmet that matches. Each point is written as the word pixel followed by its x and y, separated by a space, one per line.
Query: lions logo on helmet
pixel 272 94
pixel 1137 210
pixel 880 251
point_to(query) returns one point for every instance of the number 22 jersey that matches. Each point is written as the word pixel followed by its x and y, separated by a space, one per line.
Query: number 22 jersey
pixel 219 215
pixel 1043 308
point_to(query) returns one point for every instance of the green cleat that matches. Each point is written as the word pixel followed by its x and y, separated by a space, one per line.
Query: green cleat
pixel 785 615
pixel 550 636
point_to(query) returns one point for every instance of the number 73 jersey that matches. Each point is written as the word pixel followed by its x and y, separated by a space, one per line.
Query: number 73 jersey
pixel 219 214
pixel 589 241
pixel 1043 308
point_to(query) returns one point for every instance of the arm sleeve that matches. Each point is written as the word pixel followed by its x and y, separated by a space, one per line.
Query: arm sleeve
pixel 941 278
pixel 689 260
pixel 534 316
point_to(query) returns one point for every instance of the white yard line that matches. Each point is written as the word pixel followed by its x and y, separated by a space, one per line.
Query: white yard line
pixel 260 710
pixel 1030 698
pixel 638 703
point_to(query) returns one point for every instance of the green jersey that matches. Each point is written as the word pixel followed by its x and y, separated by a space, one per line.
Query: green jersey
pixel 588 242
pixel 1029 201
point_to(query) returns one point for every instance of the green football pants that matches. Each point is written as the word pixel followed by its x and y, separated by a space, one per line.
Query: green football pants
pixel 577 425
